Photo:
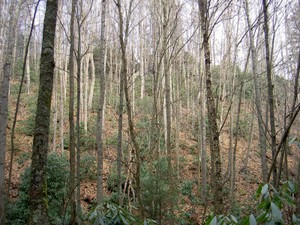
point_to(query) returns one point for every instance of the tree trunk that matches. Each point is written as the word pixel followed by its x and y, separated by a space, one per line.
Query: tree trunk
pixel 4 90
pixel 270 89
pixel 213 131
pixel 85 66
pixel 54 110
pixel 72 185
pixel 91 94
pixel 297 197
pixel 262 137
pixel 167 87
pixel 101 106
pixel 38 186
pixel 79 112
pixel 123 37
pixel 19 98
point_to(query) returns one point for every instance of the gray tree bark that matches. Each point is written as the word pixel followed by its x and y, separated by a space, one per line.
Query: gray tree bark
pixel 123 37
pixel 213 131
pixel 262 137
pixel 38 186
pixel 6 72
pixel 100 112
pixel 270 88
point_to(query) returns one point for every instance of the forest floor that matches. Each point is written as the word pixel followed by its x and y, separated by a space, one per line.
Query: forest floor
pixel 247 181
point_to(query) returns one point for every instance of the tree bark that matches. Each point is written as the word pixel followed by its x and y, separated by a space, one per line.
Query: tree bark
pixel 79 111
pixel 213 131
pixel 100 113
pixel 7 71
pixel 297 197
pixel 91 93
pixel 167 86
pixel 71 116
pixel 38 186
pixel 262 137
pixel 123 37
pixel 270 89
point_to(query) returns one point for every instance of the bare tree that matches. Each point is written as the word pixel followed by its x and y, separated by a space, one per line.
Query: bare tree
pixel 262 137
pixel 213 131
pixel 123 38
pixel 270 87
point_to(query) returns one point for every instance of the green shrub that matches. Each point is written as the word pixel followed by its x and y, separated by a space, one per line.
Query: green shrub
pixel 112 214
pixel 57 189
pixel 187 188
pixel 158 189
pixel 88 167
pixel 23 157
pixel 27 126
pixel 113 186
pixel 269 211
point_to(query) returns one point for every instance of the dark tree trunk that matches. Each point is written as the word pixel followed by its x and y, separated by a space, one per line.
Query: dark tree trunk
pixel 213 131
pixel 270 89
pixel 71 116
pixel 38 186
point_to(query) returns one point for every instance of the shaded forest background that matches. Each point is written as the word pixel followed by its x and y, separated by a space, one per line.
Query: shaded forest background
pixel 170 110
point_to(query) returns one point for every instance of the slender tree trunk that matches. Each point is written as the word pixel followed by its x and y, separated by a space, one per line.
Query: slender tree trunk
pixel 100 114
pixel 262 138
pixel 71 116
pixel 270 89
pixel 233 167
pixel 120 134
pixel 213 131
pixel 38 185
pixel 18 100
pixel 4 90
pixel 123 37
pixel 28 75
pixel 85 66
pixel 54 110
pixel 91 94
pixel 297 211
pixel 167 86
pixel 142 58
pixel 79 112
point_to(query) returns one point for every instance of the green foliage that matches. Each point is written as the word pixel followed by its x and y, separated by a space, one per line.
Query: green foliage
pixel 185 218
pixel 27 125
pixel 113 140
pixel 113 185
pixel 88 167
pixel 269 210
pixel 112 214
pixel 23 157
pixel 88 138
pixel 243 128
pixel 57 189
pixel 158 190
pixel 187 188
